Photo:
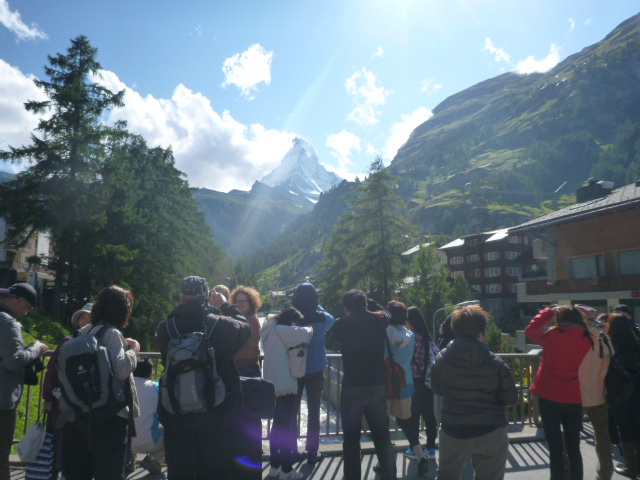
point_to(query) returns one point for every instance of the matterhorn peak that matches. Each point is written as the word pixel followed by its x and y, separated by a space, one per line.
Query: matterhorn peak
pixel 300 173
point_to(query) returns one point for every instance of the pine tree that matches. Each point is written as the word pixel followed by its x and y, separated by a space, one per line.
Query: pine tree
pixel 364 250
pixel 56 191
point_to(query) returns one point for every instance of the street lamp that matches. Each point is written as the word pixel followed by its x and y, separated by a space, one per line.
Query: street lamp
pixel 461 304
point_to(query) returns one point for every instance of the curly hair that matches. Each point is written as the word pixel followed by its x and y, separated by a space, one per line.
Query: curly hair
pixel 255 302
pixel 113 307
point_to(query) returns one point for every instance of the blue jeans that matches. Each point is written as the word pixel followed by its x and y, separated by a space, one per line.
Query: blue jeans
pixel 313 382
pixel 370 403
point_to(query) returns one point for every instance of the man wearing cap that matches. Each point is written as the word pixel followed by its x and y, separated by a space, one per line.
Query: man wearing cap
pixel 15 302
pixel 203 443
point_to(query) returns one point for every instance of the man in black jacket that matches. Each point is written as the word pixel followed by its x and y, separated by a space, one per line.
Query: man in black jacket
pixel 361 335
pixel 203 444
pixel 476 386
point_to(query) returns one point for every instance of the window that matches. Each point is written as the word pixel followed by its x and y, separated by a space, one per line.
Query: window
pixel 510 255
pixel 494 272
pixel 492 304
pixel 512 288
pixel 514 239
pixel 628 262
pixel 586 267
pixel 493 288
pixel 457 274
pixel 473 242
pixel 477 273
pixel 493 256
pixel 457 260
pixel 474 258
pixel 513 271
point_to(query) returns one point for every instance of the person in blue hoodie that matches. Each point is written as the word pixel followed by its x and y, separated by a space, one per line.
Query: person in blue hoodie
pixel 305 299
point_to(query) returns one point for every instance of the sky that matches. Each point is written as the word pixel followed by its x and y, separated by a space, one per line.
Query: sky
pixel 229 84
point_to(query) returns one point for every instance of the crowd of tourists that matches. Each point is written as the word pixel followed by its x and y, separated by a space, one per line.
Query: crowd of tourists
pixel 223 373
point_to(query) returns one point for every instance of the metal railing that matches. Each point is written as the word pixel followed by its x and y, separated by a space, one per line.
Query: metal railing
pixel 523 367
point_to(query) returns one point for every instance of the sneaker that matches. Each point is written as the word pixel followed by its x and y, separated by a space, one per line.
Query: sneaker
pixel 313 458
pixel 151 465
pixel 431 453
pixel 423 467
pixel 410 454
pixel 130 466
pixel 376 468
pixel 292 475
pixel 274 472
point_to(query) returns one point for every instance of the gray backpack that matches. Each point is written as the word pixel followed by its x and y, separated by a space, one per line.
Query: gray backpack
pixel 89 389
pixel 190 382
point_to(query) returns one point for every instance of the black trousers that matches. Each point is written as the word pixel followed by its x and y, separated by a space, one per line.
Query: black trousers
pixel 282 439
pixel 421 406
pixel 562 420
pixel 99 453
pixel 7 430
pixel 313 382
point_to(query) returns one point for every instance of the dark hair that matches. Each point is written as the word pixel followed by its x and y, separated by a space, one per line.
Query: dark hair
pixel 113 307
pixel 398 311
pixel 418 325
pixel 620 330
pixel 571 315
pixel 289 316
pixel 144 368
pixel 469 321
pixel 355 300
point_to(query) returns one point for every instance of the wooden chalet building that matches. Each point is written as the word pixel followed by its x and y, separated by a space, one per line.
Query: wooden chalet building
pixel 591 249
pixel 493 263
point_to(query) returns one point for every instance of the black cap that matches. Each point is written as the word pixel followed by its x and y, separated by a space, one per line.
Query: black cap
pixel 623 309
pixel 195 286
pixel 21 290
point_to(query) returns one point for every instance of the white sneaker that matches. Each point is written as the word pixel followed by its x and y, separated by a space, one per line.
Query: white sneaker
pixel 274 472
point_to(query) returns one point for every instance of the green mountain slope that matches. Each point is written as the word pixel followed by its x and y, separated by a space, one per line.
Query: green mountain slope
pixel 243 222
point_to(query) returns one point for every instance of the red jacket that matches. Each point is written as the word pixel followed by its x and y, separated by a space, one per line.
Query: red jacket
pixel 563 350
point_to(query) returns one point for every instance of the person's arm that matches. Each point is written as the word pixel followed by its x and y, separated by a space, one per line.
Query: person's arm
pixel 507 391
pixel 329 320
pixel 13 354
pixel 534 329
pixel 51 377
pixel 123 361
pixel 293 336
pixel 436 386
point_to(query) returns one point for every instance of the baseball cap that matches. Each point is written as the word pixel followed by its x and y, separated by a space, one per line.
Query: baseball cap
pixel 21 290
pixel 623 308
pixel 195 286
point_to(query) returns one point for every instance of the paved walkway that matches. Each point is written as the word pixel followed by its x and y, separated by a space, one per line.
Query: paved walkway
pixel 528 460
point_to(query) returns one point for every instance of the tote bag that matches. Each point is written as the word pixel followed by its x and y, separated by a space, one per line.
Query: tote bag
pixel 31 443
pixel 42 467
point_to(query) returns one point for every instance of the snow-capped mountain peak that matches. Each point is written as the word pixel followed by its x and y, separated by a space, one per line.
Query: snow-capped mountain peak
pixel 300 173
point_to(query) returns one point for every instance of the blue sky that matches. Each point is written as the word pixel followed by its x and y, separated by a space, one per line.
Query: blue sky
pixel 229 84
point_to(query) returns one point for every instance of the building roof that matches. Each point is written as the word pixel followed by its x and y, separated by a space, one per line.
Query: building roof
pixel 623 196
pixel 493 236
pixel 456 243
pixel 498 235
pixel 413 250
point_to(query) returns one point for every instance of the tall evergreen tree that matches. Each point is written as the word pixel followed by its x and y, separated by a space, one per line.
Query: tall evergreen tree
pixel 56 191
pixel 365 247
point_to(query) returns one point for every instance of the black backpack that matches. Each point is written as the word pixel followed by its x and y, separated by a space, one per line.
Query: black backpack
pixel 89 389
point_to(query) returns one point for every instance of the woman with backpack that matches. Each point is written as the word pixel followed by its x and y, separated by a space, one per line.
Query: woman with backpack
pixel 279 335
pixel 95 446
pixel 625 407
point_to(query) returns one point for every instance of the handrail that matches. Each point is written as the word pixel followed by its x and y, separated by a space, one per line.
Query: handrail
pixel 522 365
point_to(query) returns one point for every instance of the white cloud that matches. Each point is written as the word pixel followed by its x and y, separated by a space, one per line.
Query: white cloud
pixel 16 123
pixel 429 86
pixel 499 54
pixel 531 65
pixel 400 131
pixel 342 145
pixel 13 22
pixel 367 95
pixel 379 52
pixel 214 150
pixel 248 69
pixel 572 24
pixel 588 21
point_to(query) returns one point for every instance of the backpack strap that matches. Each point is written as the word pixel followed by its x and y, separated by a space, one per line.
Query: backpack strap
pixel 101 333
pixel 172 321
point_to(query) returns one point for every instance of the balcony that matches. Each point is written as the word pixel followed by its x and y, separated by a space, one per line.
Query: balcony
pixel 538 274
pixel 584 285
